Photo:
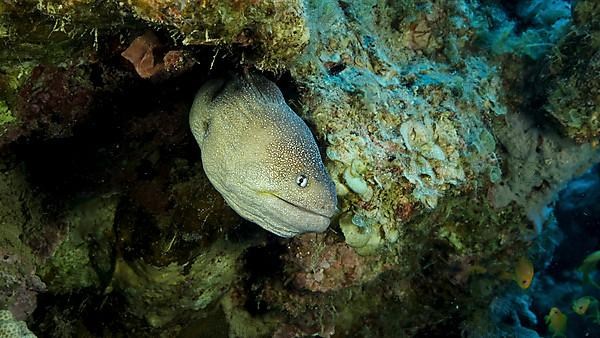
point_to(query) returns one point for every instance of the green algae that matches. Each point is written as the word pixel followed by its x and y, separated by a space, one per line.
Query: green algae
pixel 150 290
pixel 12 77
pixel 12 328
pixel 84 258
pixel 5 114
pixel 276 30
pixel 18 208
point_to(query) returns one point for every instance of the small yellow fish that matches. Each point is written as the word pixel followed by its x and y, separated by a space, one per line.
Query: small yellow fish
pixel 523 273
pixel 588 307
pixel 589 265
pixel 581 305
pixel 557 322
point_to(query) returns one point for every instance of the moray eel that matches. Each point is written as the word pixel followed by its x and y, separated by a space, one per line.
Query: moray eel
pixel 261 156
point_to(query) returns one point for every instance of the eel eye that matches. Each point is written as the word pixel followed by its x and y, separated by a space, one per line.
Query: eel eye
pixel 301 181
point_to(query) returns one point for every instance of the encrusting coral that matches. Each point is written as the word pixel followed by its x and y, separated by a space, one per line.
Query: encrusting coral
pixel 12 328
pixel 573 77
pixel 443 153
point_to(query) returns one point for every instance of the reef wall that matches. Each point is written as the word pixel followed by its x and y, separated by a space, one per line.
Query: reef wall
pixel 448 128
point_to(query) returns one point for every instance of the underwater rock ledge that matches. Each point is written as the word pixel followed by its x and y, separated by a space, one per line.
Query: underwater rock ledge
pixel 447 133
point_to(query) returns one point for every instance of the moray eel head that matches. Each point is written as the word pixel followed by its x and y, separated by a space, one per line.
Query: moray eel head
pixel 261 156
pixel 298 195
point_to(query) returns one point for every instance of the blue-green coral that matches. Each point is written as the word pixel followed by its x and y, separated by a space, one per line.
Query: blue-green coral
pixel 12 328
pixel 546 23
pixel 398 135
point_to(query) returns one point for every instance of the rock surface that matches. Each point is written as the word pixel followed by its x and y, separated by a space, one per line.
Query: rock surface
pixel 447 131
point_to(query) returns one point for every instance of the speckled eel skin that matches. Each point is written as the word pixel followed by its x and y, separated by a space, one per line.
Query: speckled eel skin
pixel 261 156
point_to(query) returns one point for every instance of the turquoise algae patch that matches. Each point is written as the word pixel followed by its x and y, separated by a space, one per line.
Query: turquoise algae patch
pixel 12 328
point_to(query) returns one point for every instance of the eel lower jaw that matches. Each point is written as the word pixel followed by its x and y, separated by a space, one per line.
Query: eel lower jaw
pixel 316 213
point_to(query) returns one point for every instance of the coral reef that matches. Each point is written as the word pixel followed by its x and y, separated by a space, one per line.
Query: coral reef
pixel 573 74
pixel 12 328
pixel 448 129
pixel 561 247
pixel 536 26
pixel 277 30
pixel 141 54
pixel 19 284
pixel 324 265
pixel 196 284
pixel 84 257
pixel 538 164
